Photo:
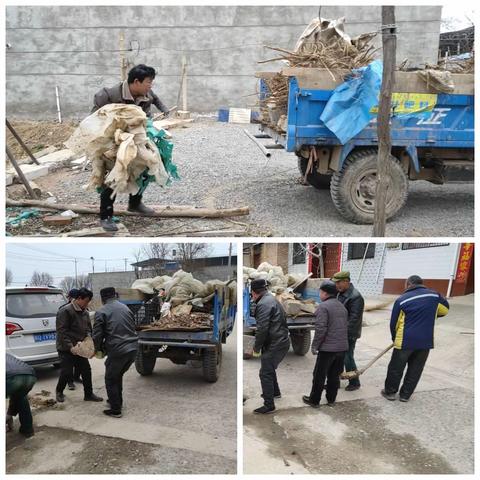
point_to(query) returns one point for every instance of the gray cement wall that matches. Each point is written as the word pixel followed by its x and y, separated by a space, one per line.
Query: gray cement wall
pixel 76 48
pixel 111 279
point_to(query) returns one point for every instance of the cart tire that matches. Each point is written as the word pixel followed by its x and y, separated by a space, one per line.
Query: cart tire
pixel 315 179
pixel 301 342
pixel 144 363
pixel 353 187
pixel 212 363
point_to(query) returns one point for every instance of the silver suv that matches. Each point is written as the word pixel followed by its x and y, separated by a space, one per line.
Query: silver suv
pixel 30 323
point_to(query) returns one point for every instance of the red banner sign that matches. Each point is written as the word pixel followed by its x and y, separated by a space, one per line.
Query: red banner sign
pixel 464 262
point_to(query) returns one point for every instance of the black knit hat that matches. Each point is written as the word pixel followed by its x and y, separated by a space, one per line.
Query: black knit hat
pixel 329 287
pixel 258 285
pixel 108 292
pixel 73 293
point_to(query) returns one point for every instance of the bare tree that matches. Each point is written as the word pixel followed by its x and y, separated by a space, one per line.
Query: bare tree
pixel 188 253
pixel 41 279
pixel 69 282
pixel 8 277
pixel 159 254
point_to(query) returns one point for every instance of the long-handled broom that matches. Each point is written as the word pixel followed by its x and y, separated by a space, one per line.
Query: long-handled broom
pixel 357 373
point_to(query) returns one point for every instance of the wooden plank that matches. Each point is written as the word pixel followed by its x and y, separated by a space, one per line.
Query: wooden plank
pixel 98 232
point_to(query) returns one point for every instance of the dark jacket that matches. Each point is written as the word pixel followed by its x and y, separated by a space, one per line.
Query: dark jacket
pixel 14 366
pixel 73 326
pixel 353 301
pixel 413 318
pixel 115 95
pixel 331 327
pixel 271 320
pixel 114 329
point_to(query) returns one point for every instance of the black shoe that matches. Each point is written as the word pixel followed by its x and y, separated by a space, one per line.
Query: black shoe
pixel 264 409
pixel 29 434
pixel 60 397
pixel 351 388
pixel 388 396
pixel 277 395
pixel 306 399
pixel 108 224
pixel 403 399
pixel 71 386
pixel 331 404
pixel 113 413
pixel 92 398
pixel 140 208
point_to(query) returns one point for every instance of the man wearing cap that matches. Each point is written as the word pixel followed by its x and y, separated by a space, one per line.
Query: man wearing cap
pixel 411 325
pixel 329 344
pixel 114 334
pixel 353 301
pixel 73 326
pixel 271 342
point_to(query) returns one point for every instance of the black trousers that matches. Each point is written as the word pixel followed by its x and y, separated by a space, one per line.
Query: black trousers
pixel 329 366
pixel 115 368
pixel 350 364
pixel 68 362
pixel 415 359
pixel 270 360
pixel 106 202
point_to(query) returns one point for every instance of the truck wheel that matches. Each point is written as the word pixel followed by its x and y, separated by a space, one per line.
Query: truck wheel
pixel 315 179
pixel 145 363
pixel 212 362
pixel 353 187
pixel 301 342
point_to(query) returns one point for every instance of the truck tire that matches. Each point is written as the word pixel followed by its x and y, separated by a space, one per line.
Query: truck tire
pixel 145 363
pixel 353 187
pixel 212 362
pixel 301 341
pixel 315 179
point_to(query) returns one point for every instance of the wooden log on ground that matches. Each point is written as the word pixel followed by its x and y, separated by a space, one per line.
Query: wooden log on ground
pixel 167 211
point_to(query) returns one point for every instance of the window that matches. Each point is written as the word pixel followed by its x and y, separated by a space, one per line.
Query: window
pixel 356 251
pixel 413 246
pixel 34 305
pixel 299 255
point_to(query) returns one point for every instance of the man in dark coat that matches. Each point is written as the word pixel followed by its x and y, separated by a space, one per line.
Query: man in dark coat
pixel 136 90
pixel 114 334
pixel 329 344
pixel 272 342
pixel 353 301
pixel 73 326
pixel 411 326
pixel 20 380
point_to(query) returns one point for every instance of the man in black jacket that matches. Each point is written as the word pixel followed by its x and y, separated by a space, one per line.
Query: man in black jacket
pixel 353 301
pixel 329 344
pixel 73 326
pixel 136 90
pixel 271 342
pixel 114 334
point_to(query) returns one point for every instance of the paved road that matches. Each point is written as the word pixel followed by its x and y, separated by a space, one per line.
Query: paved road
pixel 221 167
pixel 173 422
pixel 364 433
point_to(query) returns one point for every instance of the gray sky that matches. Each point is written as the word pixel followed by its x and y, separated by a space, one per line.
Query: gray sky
pixel 58 258
pixel 459 16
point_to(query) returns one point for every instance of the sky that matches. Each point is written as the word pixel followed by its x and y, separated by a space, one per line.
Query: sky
pixel 58 259
pixel 458 16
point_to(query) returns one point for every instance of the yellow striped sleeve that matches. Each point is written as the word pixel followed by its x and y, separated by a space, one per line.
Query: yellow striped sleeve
pixel 399 328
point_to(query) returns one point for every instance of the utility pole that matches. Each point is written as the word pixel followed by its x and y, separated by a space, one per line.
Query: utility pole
pixel 125 259
pixel 76 275
pixel 123 60
pixel 229 261
pixel 389 44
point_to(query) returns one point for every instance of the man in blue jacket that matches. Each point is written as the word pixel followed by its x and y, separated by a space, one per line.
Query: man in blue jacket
pixel 411 325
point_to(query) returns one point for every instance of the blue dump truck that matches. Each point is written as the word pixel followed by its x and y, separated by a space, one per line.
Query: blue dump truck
pixel 432 138
pixel 299 326
pixel 179 345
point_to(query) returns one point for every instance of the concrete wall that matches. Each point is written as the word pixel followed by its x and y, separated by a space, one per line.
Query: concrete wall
pixel 111 279
pixel 222 46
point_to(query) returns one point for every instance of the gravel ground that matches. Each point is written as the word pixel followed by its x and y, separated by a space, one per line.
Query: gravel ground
pixel 221 167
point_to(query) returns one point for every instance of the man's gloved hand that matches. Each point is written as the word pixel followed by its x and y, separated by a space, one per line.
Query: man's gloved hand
pixel 314 351
pixel 99 354
pixel 256 354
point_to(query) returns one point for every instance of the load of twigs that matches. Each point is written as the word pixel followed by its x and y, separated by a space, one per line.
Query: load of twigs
pixel 192 321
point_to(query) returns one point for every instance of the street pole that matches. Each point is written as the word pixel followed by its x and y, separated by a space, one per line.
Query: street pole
pixel 125 259
pixel 229 261
pixel 93 264
pixel 123 62
pixel 389 44
pixel 76 276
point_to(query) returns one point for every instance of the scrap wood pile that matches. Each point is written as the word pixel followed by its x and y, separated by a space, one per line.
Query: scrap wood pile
pixel 323 44
pixel 189 300
pixel 457 64
pixel 280 285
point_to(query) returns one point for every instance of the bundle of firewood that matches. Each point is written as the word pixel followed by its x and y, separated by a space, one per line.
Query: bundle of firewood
pixel 192 321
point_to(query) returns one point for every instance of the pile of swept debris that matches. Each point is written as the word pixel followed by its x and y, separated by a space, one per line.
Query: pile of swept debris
pixel 283 286
pixel 187 302
pixel 325 45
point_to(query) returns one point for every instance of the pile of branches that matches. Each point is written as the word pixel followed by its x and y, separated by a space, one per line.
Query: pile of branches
pixel 455 65
pixel 192 321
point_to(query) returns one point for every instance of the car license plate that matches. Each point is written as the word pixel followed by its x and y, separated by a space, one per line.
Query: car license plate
pixel 44 337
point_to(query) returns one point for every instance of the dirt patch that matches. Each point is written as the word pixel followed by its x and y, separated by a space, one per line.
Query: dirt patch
pixel 39 135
